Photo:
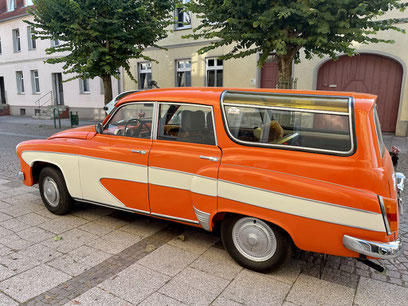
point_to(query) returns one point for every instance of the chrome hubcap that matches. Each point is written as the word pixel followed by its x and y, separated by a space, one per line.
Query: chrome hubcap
pixel 51 192
pixel 254 239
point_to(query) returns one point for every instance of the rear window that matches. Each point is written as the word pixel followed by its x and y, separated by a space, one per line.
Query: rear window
pixel 379 132
pixel 293 122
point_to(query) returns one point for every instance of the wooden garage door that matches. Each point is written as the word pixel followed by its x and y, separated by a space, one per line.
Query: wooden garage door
pixel 367 73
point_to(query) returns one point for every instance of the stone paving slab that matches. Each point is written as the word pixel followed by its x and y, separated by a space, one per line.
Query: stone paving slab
pixel 370 292
pixel 309 290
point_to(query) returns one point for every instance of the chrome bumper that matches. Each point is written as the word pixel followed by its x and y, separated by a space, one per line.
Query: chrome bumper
pixel 400 181
pixel 383 250
pixel 21 176
pixel 400 177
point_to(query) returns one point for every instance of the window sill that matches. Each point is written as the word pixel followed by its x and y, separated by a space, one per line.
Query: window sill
pixel 32 49
pixel 21 93
pixel 85 93
pixel 183 28
pixel 17 51
pixel 36 93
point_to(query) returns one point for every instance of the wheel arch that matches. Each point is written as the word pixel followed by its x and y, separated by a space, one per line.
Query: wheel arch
pixel 38 166
pixel 217 219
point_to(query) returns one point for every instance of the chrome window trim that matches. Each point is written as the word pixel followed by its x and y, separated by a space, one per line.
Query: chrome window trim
pixel 288 109
pixel 384 215
pixel 126 104
pixel 289 147
pixel 193 104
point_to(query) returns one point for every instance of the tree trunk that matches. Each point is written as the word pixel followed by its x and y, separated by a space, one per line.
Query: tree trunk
pixel 107 86
pixel 285 65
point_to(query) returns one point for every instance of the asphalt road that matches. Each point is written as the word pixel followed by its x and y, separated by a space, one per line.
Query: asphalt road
pixel 14 130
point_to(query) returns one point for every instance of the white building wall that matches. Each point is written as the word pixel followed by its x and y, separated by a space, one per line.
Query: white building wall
pixel 89 104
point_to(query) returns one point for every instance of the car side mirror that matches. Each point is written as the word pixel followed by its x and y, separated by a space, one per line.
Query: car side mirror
pixel 99 128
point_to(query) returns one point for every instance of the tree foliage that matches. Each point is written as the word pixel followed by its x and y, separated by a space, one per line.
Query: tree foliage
pixel 284 27
pixel 100 36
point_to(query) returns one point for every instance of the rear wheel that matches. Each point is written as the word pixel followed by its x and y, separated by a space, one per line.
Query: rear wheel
pixel 54 192
pixel 254 243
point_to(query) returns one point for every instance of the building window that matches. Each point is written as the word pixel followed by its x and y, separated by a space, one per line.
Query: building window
pixel 183 17
pixel 214 69
pixel 16 40
pixel 55 42
pixel 29 2
pixel 11 4
pixel 183 76
pixel 20 82
pixel 145 75
pixel 1 50
pixel 32 42
pixel 35 81
pixel 84 86
pixel 102 87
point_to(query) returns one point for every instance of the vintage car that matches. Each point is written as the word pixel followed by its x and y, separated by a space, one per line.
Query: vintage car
pixel 273 168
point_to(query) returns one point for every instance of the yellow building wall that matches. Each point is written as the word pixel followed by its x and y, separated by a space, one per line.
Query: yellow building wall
pixel 237 72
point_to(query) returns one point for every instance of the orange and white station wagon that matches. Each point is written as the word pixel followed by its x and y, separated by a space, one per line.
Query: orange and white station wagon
pixel 272 167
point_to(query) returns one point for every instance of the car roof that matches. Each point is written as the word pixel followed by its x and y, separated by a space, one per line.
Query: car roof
pixel 211 95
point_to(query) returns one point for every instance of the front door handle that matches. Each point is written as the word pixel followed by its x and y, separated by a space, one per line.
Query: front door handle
pixel 139 152
pixel 212 158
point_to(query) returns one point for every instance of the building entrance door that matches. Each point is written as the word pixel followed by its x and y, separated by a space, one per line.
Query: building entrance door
pixel 2 91
pixel 57 88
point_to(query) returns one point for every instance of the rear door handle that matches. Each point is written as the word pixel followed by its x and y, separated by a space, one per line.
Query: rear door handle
pixel 212 158
pixel 139 152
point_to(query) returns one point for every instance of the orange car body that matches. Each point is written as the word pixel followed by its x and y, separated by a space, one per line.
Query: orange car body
pixel 318 198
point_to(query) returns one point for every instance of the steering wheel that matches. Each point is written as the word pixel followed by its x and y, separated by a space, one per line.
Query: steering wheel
pixel 139 129
pixel 286 138
pixel 129 132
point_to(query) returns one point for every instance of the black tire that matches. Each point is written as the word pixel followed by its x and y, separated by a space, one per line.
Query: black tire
pixel 275 251
pixel 54 192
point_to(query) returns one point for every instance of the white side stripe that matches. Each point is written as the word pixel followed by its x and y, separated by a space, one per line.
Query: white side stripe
pixel 89 171
pixel 93 169
pixel 301 207
pixel 68 163
pixel 183 180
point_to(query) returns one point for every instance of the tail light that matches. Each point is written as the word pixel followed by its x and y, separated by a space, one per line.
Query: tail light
pixel 389 210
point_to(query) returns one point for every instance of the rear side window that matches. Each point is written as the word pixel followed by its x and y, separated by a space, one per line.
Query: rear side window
pixel 186 123
pixel 303 123
pixel 378 131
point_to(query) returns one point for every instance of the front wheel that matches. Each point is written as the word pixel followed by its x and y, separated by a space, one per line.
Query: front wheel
pixel 54 192
pixel 254 243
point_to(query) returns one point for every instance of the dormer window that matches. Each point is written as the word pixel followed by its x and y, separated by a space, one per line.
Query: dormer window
pixel 183 17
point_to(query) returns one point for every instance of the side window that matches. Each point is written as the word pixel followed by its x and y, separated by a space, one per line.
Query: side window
pixel 133 120
pixel 186 123
pixel 289 128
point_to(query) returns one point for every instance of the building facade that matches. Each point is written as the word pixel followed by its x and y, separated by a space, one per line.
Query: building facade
pixel 27 84
pixel 379 69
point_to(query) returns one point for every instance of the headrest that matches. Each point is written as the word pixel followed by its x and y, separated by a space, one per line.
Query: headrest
pixel 269 132
pixel 192 121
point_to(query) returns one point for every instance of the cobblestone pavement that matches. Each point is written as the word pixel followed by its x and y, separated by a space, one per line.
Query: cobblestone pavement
pixel 99 256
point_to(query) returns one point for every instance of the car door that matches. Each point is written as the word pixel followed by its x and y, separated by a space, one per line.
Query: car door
pixel 113 165
pixel 183 164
